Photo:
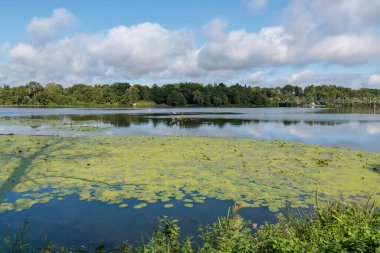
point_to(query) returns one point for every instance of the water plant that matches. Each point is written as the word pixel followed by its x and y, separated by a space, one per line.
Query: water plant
pixel 56 124
pixel 190 169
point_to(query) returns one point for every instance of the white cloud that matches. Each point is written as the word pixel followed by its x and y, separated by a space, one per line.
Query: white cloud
pixel 344 32
pixel 332 17
pixel 143 50
pixel 346 49
pixel 63 60
pixel 239 49
pixel 341 32
pixel 215 29
pixel 257 76
pixel 44 29
pixel 255 5
pixel 308 77
pixel 23 52
pixel 374 80
pixel 301 77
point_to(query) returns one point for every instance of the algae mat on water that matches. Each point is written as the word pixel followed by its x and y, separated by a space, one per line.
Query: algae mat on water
pixel 191 169
pixel 55 124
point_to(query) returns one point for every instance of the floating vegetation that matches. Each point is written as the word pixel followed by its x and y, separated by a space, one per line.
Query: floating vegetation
pixel 56 124
pixel 42 121
pixel 188 169
pixel 79 128
pixel 141 205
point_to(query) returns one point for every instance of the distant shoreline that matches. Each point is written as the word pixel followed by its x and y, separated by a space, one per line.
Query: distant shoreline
pixel 125 95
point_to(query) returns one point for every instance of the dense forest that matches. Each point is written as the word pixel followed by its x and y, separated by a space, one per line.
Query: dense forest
pixel 185 94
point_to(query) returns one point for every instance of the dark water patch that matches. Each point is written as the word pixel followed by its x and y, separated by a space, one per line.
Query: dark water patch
pixel 76 224
pixel 374 168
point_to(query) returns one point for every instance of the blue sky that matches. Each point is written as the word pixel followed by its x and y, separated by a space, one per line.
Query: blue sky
pixel 98 15
pixel 255 42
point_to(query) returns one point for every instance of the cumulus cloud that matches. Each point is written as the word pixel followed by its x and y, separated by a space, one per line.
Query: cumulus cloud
pixel 374 80
pixel 122 52
pixel 301 77
pixel 215 29
pixel 342 32
pixel 332 17
pixel 346 49
pixel 43 29
pixel 142 49
pixel 308 77
pixel 239 49
pixel 255 5
pixel 59 60
pixel 2 77
pixel 257 76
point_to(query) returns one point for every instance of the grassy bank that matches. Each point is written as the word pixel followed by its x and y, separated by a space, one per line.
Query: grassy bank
pixel 333 227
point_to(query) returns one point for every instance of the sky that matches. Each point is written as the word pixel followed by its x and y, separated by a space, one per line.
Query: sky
pixel 253 42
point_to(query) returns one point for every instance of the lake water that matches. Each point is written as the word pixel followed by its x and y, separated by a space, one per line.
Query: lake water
pixel 357 129
pixel 74 222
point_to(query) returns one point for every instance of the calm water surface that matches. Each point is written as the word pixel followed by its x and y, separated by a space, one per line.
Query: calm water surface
pixel 346 128
pixel 81 223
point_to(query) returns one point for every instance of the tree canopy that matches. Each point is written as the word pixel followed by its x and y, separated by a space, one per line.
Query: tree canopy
pixel 185 94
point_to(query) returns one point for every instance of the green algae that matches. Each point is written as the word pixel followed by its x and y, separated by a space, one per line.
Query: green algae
pixel 189 169
pixel 79 128
pixel 141 205
pixel 37 122
pixel 56 124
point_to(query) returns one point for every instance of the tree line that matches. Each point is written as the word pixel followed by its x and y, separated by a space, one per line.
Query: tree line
pixel 185 94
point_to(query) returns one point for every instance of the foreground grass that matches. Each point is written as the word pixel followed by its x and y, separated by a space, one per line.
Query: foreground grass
pixel 335 227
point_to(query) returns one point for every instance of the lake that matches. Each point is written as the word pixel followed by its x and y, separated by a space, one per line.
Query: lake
pixel 357 129
pixel 83 218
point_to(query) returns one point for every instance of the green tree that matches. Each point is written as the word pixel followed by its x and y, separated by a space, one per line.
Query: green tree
pixel 33 89
pixel 198 97
pixel 176 98
pixel 132 95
